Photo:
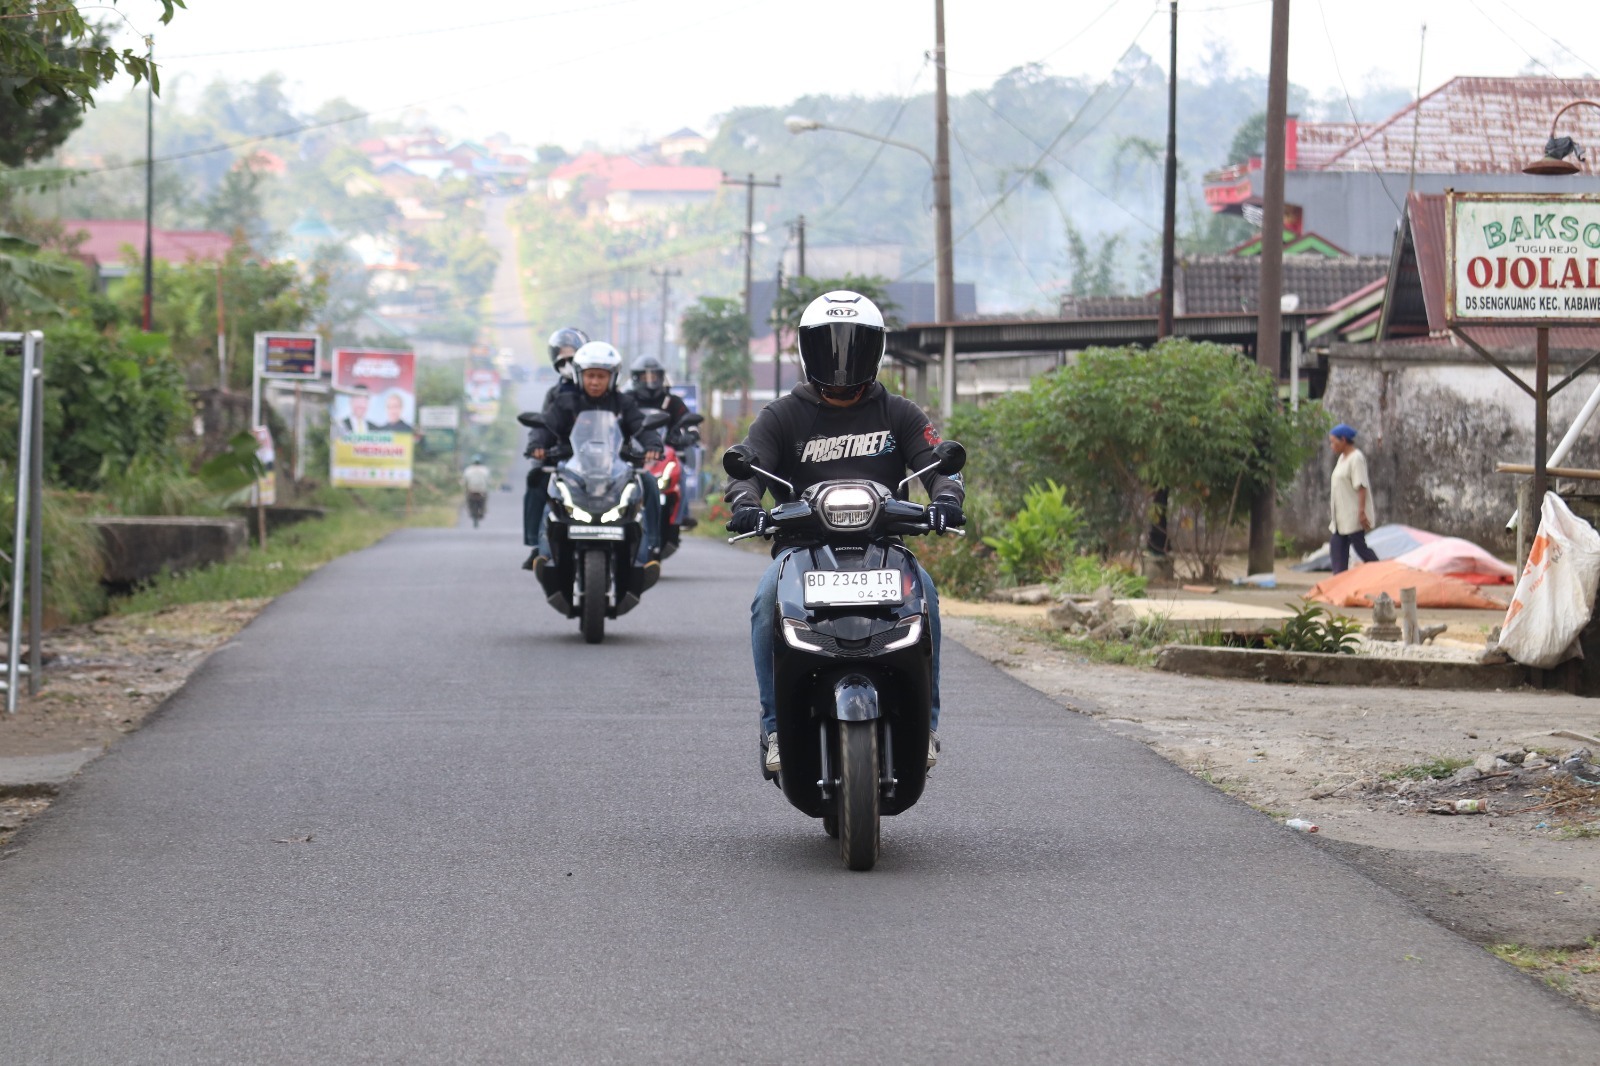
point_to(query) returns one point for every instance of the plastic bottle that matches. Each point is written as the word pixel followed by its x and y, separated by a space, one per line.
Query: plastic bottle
pixel 1473 806
pixel 1302 824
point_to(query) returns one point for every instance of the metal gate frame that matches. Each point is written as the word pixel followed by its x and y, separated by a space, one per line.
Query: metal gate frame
pixel 27 553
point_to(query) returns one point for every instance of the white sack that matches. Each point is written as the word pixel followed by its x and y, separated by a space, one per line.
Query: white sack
pixel 1555 594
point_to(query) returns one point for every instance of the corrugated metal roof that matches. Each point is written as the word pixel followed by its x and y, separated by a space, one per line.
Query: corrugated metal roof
pixel 1468 126
pixel 1318 142
pixel 1228 284
pixel 922 342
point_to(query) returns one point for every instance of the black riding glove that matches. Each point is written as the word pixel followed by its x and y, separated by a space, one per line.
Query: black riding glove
pixel 749 519
pixel 945 513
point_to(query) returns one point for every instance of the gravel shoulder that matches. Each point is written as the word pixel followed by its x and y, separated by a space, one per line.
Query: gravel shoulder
pixel 1331 755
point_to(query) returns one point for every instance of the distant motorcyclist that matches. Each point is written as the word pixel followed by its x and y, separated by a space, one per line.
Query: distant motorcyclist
pixel 839 423
pixel 597 365
pixel 475 480
pixel 564 344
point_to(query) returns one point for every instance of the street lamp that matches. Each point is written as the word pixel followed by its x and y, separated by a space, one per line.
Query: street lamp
pixel 1554 162
pixel 944 286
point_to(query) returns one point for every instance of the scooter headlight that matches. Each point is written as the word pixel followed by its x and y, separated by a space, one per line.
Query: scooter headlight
pixel 847 507
pixel 578 513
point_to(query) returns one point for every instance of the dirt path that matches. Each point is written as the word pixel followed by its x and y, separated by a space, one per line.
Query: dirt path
pixel 1330 755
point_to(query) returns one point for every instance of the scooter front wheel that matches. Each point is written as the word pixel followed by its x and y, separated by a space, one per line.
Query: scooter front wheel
pixel 858 794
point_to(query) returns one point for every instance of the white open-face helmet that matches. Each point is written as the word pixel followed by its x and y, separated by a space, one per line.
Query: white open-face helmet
pixel 598 355
pixel 842 340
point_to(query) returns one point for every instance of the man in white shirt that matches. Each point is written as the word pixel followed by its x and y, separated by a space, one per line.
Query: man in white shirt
pixel 1351 498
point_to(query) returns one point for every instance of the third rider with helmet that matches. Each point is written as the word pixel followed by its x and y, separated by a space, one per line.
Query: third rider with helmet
pixel 838 423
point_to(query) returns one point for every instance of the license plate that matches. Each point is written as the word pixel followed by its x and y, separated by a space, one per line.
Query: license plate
pixel 596 533
pixel 841 588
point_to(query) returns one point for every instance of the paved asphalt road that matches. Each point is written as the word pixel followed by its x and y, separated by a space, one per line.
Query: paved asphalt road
pixel 409 816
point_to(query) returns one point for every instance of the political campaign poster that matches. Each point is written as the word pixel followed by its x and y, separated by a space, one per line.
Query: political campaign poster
pixel 483 395
pixel 266 455
pixel 289 356
pixel 373 418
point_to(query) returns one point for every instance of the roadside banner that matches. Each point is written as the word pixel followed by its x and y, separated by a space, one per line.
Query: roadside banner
pixel 372 418
pixel 439 417
pixel 1526 258
pixel 483 395
pixel 266 455
pixel 289 356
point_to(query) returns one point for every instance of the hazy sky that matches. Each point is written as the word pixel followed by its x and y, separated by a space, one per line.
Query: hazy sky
pixel 617 71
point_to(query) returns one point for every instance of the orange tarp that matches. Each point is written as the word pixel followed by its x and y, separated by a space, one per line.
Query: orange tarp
pixel 1361 585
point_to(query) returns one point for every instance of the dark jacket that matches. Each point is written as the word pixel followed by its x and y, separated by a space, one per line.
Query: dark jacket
pixel 561 412
pixel 881 438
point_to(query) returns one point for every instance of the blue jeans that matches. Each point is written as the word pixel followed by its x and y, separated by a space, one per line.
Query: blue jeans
pixel 534 501
pixel 761 611
pixel 651 534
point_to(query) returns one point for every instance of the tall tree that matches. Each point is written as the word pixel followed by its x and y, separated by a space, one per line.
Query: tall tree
pixel 717 329
pixel 33 69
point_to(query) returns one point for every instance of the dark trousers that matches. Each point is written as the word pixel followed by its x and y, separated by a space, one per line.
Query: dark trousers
pixel 533 503
pixel 1339 545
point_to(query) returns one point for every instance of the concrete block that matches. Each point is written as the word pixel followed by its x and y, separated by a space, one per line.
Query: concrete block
pixel 1314 668
pixel 136 549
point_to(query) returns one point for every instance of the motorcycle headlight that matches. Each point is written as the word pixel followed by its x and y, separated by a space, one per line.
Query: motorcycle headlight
pixel 578 513
pixel 622 505
pixel 847 507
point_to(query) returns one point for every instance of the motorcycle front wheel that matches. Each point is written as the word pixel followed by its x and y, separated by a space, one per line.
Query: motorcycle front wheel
pixel 858 794
pixel 593 623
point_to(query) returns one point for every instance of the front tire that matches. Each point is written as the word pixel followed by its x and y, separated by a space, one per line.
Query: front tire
pixel 858 794
pixel 593 623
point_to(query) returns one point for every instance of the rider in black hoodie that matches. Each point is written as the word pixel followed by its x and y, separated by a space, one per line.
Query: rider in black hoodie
pixel 840 423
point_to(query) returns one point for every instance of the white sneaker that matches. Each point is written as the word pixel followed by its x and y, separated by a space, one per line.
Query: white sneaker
pixel 772 763
pixel 933 750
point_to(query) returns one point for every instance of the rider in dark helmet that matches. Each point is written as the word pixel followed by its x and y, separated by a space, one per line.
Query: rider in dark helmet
pixel 838 424
pixel 564 344
pixel 651 388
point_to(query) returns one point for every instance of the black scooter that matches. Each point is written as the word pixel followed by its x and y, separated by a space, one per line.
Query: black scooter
pixel 595 520
pixel 852 651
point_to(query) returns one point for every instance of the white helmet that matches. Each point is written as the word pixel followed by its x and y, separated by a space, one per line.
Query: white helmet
pixel 842 340
pixel 598 355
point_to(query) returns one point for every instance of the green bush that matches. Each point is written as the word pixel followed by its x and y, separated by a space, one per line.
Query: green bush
pixel 1086 574
pixel 70 550
pixel 1315 629
pixel 1118 424
pixel 1035 544
pixel 958 566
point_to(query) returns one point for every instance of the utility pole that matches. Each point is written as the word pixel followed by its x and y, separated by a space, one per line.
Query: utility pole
pixel 777 336
pixel 147 323
pixel 1269 313
pixel 1169 210
pixel 800 242
pixel 750 184
pixel 666 277
pixel 945 296
pixel 1159 535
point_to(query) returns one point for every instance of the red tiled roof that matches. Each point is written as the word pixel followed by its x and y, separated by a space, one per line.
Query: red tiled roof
pixel 596 163
pixel 1470 126
pixel 107 236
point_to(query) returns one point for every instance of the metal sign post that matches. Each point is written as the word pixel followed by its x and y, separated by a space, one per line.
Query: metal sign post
pixel 27 546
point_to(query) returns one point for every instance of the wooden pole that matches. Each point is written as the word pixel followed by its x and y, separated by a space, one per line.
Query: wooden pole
pixel 1541 418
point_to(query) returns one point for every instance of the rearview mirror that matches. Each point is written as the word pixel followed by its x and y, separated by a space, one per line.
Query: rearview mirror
pixel 739 461
pixel 655 419
pixel 951 457
pixel 531 419
pixel 693 419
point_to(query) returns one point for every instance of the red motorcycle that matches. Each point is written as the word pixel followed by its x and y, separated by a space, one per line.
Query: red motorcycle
pixel 668 472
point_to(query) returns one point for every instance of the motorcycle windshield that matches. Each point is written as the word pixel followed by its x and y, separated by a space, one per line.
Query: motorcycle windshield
pixel 596 446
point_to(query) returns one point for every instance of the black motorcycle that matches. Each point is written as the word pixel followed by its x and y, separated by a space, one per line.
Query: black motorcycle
pixel 852 651
pixel 595 520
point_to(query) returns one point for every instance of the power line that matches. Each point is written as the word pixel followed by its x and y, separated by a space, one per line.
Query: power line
pixel 1059 137
pixel 966 157
pixel 1553 40
pixel 1366 141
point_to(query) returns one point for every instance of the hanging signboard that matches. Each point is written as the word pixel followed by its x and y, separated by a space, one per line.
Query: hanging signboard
pixel 372 418
pixel 1522 258
pixel 290 356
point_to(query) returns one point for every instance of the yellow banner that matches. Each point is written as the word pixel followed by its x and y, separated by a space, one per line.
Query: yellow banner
pixel 362 460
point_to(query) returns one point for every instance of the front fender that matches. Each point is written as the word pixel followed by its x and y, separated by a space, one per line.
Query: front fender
pixel 855 699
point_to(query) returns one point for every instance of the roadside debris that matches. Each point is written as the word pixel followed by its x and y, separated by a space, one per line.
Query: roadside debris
pixel 1301 824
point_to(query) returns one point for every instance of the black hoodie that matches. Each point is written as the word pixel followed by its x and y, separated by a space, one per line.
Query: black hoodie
pixel 882 437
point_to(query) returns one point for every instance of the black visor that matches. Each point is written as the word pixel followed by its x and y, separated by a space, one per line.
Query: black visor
pixel 841 354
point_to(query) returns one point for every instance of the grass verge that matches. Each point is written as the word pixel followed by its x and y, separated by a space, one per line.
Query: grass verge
pixel 290 555
pixel 1570 971
pixel 1434 769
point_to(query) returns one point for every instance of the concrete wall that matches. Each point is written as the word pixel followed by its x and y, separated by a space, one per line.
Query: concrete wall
pixel 1433 424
